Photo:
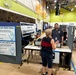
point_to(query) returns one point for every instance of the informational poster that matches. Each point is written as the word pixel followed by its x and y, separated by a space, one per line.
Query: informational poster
pixel 28 28
pixel 7 40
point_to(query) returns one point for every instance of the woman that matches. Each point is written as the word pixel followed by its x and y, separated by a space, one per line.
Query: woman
pixel 47 45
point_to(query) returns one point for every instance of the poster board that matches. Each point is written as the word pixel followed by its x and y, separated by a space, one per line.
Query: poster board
pixel 7 40
pixel 28 28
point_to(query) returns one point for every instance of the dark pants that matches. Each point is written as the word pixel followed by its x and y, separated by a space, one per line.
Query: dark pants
pixel 46 59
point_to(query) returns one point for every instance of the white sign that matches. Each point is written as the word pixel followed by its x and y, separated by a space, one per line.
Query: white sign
pixel 8 48
pixel 28 28
pixel 7 33
pixel 7 40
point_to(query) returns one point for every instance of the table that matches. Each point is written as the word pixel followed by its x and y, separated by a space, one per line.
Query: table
pixel 57 52
pixel 38 48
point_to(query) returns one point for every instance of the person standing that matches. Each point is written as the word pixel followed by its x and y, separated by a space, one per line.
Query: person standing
pixel 57 34
pixel 47 45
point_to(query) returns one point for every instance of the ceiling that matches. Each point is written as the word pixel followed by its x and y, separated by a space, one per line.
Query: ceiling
pixel 65 4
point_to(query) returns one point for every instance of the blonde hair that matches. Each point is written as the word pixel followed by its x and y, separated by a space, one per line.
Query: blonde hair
pixel 48 32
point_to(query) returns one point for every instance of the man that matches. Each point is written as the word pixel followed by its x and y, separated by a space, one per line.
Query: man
pixel 57 34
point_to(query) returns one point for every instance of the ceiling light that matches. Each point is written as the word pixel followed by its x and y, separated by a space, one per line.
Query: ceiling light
pixel 55 1
pixel 55 7
pixel 47 7
pixel 72 9
pixel 75 5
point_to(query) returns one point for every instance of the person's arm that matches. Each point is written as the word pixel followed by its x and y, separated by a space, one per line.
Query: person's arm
pixel 66 35
pixel 53 44
pixel 62 36
pixel 41 42
pixel 52 33
pixel 62 39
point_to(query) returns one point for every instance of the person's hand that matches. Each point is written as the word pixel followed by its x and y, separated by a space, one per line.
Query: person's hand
pixel 57 42
pixel 62 43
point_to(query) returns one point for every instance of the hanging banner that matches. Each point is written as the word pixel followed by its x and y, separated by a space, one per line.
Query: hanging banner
pixel 7 40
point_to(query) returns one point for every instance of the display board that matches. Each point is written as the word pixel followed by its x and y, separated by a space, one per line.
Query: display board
pixel 10 42
pixel 27 28
pixel 7 40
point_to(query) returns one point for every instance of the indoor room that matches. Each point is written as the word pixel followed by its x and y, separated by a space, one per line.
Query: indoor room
pixel 38 37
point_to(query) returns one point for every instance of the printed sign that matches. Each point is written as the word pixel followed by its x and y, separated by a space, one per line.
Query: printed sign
pixel 27 28
pixel 7 40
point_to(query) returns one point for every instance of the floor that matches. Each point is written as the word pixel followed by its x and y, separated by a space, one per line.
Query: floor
pixel 11 69
pixel 73 57
pixel 26 69
pixel 29 69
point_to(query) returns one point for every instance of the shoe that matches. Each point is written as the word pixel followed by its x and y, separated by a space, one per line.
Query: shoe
pixel 43 74
pixel 46 73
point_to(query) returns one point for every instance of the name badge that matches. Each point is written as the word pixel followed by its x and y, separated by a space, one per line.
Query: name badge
pixel 55 38
pixel 58 31
pixel 58 45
